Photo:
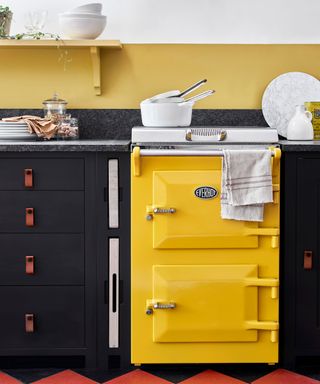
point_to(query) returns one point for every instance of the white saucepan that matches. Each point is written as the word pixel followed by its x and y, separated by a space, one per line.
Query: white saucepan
pixel 169 112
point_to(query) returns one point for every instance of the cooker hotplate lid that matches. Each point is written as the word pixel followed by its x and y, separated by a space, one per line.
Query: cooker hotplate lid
pixel 205 135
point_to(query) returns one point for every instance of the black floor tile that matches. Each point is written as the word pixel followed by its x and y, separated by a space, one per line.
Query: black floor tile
pixel 244 372
pixel 102 375
pixel 27 376
pixel 174 373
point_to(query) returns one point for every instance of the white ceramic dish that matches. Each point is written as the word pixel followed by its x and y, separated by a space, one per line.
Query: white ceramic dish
pixel 81 16
pixel 82 28
pixel 31 138
pixel 17 137
pixel 283 94
pixel 88 8
pixel 6 131
pixel 166 114
pixel 12 123
pixel 13 129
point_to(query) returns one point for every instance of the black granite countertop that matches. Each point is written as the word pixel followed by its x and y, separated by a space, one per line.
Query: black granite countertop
pixel 118 146
pixel 65 146
pixel 300 146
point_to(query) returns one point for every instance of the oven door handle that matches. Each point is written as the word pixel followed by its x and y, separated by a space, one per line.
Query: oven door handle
pixel 151 210
pixel 156 304
pixel 164 210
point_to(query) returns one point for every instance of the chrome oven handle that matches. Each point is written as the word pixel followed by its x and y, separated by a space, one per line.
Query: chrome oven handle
pixel 164 305
pixel 164 210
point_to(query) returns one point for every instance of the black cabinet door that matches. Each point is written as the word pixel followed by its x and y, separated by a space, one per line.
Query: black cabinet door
pixel 41 174
pixel 42 259
pixel 307 255
pixel 42 317
pixel 54 211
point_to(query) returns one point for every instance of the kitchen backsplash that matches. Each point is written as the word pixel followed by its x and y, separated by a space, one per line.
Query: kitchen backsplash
pixel 117 123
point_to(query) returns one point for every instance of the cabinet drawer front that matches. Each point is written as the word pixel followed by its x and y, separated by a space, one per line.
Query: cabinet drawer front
pixel 41 259
pixel 49 211
pixel 41 174
pixel 47 317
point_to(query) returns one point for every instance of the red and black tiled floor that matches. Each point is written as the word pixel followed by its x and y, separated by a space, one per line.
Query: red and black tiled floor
pixel 189 375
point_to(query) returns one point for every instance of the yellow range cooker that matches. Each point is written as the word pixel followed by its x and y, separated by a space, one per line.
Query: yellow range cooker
pixel 204 289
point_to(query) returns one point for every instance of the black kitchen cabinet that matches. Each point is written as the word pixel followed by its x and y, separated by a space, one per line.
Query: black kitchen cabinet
pixel 63 216
pixel 300 269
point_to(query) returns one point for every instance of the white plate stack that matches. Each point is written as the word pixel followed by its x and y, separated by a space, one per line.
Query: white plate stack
pixel 14 131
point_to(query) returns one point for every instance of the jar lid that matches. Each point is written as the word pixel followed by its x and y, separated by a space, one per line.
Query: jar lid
pixel 54 100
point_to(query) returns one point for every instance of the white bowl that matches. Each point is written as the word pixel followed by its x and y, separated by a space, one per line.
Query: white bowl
pixel 81 27
pixel 88 8
pixel 81 16
pixel 166 114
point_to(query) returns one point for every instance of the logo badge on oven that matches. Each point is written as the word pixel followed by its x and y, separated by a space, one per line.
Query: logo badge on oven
pixel 206 193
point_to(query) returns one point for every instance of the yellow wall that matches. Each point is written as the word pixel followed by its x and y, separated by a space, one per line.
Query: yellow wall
pixel 239 73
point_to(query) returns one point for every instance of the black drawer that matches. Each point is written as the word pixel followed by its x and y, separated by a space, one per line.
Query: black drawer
pixel 41 174
pixel 32 211
pixel 47 317
pixel 41 259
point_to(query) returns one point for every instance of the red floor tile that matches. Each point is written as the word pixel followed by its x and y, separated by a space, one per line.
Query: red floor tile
pixel 6 379
pixel 211 377
pixel 281 376
pixel 137 377
pixel 65 377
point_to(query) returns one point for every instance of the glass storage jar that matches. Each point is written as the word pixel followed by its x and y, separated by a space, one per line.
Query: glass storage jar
pixel 54 108
pixel 68 128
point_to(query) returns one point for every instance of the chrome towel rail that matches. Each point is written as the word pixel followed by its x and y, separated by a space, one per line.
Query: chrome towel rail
pixel 137 153
pixel 185 152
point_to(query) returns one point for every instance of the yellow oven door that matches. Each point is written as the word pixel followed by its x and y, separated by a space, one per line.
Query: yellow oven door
pixel 207 303
pixel 186 213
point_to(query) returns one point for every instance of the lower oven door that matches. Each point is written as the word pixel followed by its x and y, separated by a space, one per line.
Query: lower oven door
pixel 207 303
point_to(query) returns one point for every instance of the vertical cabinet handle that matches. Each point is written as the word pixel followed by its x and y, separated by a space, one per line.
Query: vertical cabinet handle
pixel 28 178
pixel 114 318
pixel 29 217
pixel 307 259
pixel 29 265
pixel 29 322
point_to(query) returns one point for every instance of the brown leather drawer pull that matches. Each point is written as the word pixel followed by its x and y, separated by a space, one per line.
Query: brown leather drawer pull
pixel 29 322
pixel 307 259
pixel 29 217
pixel 29 265
pixel 28 178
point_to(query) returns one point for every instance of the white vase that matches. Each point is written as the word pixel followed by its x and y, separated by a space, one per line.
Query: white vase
pixel 300 126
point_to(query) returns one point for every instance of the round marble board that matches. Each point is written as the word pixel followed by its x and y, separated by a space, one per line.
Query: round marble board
pixel 283 94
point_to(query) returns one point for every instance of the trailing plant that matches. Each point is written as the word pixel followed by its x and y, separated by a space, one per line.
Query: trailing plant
pixel 63 52
pixel 5 18
pixel 35 36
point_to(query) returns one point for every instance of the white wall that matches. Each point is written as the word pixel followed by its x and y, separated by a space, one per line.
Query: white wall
pixel 192 21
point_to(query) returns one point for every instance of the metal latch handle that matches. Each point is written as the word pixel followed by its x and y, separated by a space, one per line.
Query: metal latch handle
pixel 164 305
pixel 153 304
pixel 164 210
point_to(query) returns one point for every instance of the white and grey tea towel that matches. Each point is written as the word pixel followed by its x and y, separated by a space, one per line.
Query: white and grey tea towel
pixel 246 183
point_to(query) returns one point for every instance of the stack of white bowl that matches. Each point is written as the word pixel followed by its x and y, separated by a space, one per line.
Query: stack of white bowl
pixel 84 22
